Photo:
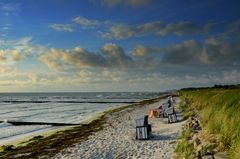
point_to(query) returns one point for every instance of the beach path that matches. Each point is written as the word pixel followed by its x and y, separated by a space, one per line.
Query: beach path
pixel 117 139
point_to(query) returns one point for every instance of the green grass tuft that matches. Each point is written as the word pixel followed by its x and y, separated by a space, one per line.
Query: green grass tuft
pixel 185 148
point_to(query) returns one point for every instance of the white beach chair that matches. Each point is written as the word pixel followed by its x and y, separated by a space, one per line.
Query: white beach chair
pixel 172 117
pixel 165 107
pixel 143 129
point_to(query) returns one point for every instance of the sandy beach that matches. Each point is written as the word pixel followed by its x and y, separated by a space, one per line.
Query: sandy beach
pixel 117 138
pixel 97 79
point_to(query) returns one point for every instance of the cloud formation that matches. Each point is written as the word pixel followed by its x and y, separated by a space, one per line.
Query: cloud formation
pixel 52 59
pixel 116 56
pixel 7 55
pixel 80 67
pixel 142 51
pixel 187 52
pixel 110 55
pixel 84 22
pixel 81 58
pixel 124 31
pixel 212 51
pixel 184 28
pixel 88 78
pixel 63 27
pixel 14 51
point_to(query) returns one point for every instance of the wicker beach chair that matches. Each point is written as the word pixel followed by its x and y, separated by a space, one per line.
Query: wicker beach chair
pixel 143 129
pixel 165 106
pixel 171 114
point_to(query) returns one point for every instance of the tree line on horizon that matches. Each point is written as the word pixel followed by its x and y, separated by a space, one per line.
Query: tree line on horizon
pixel 216 86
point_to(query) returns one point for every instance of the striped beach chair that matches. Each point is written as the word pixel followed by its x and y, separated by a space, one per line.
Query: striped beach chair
pixel 171 114
pixel 143 129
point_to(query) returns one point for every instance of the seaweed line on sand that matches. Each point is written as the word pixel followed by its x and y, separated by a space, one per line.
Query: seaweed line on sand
pixel 54 143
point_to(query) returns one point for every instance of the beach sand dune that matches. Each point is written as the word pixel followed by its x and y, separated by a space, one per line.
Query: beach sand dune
pixel 117 139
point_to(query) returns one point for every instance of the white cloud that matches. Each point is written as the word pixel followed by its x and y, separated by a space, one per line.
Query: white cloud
pixel 166 81
pixel 63 27
pixel 14 50
pixel 188 53
pixel 184 28
pixel 110 55
pixel 116 56
pixel 51 59
pixel 142 51
pixel 108 78
pixel 86 23
pixel 150 67
pixel 213 52
pixel 124 31
pixel 121 31
pixel 5 70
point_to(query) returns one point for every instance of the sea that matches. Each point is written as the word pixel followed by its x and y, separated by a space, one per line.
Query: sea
pixel 61 107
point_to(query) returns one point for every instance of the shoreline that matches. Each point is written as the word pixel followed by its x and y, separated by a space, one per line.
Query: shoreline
pixel 117 138
pixel 22 139
pixel 87 127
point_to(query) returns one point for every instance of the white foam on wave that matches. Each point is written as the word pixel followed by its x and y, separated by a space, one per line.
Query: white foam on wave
pixel 4 124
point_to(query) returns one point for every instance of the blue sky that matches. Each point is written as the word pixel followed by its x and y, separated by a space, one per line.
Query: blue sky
pixel 118 45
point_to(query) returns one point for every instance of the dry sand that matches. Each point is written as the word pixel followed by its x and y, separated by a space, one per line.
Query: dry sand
pixel 117 139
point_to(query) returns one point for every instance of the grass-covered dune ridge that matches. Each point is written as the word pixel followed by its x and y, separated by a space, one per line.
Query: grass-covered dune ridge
pixel 219 111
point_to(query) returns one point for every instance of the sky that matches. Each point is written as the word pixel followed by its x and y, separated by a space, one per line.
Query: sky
pixel 118 45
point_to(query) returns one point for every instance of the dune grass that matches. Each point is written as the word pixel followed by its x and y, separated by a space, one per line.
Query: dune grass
pixel 219 111
pixel 184 149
